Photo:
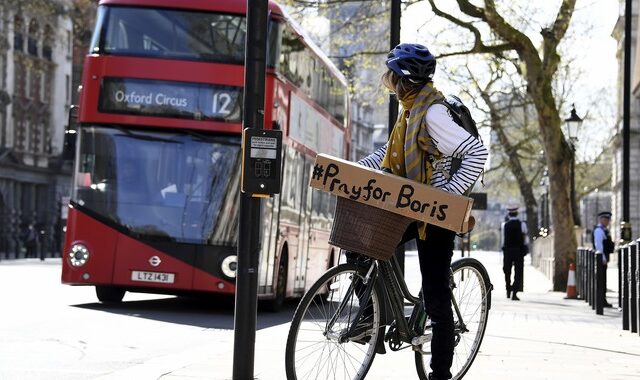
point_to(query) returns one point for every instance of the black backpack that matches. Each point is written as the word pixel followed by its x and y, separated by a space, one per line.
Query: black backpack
pixel 462 116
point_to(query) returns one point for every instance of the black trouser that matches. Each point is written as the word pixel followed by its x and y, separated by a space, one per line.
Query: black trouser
pixel 604 277
pixel 435 260
pixel 435 254
pixel 513 258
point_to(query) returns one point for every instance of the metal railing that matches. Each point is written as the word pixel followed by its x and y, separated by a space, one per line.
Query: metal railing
pixel 542 256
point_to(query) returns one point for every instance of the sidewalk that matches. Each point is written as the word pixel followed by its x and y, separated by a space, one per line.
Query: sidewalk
pixel 541 337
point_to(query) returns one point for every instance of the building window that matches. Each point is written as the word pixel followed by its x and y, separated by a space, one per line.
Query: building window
pixel 47 42
pixel 32 42
pixel 1 71
pixel 67 86
pixel 18 38
pixel 24 143
pixel 3 131
pixel 69 42
pixel 42 86
pixel 27 83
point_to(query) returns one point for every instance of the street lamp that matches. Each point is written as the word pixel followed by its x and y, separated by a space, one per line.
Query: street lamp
pixel 573 124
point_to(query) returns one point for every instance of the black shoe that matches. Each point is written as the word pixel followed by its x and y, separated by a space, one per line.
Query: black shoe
pixel 607 304
pixel 514 297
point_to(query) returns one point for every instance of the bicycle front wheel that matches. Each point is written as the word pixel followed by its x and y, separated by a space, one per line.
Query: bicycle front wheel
pixel 470 289
pixel 319 345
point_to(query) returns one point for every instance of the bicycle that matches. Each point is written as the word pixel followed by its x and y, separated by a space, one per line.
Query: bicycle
pixel 347 315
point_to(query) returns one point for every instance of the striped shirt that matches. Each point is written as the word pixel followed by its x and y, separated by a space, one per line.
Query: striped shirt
pixel 452 141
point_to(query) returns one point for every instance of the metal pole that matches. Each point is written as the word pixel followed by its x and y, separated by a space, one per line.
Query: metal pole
pixel 626 115
pixel 633 321
pixel 620 278
pixel 574 206
pixel 394 40
pixel 246 306
pixel 625 287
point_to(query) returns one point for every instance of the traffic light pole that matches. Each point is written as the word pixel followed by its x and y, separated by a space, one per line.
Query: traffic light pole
pixel 246 306
pixel 394 40
pixel 626 124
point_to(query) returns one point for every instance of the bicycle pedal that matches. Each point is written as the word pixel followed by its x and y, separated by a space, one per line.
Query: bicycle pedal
pixel 420 340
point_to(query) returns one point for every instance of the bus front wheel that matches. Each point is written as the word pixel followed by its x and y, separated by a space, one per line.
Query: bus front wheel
pixel 109 294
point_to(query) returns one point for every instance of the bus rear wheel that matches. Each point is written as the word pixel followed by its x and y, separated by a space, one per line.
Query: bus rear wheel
pixel 109 294
pixel 275 305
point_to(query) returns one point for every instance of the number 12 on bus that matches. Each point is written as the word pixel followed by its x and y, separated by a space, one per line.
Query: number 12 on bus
pixel 157 159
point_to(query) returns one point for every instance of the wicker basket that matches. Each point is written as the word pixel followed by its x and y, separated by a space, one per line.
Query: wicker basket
pixel 366 229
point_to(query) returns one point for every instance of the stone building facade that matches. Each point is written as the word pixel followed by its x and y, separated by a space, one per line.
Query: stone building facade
pixel 35 96
pixel 616 185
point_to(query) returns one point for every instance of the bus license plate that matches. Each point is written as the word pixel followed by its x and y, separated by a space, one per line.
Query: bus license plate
pixel 165 278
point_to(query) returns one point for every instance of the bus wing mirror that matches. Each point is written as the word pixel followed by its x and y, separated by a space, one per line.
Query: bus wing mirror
pixel 70 134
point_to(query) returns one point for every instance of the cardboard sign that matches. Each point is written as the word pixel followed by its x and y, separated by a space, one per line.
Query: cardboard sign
pixel 392 193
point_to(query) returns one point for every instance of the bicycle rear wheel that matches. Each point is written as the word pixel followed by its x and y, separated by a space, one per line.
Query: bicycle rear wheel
pixel 318 346
pixel 471 291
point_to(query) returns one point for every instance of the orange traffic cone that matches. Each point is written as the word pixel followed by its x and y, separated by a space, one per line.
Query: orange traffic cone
pixel 572 292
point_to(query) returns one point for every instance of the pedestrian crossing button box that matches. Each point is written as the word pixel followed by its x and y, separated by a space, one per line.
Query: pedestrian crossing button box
pixel 261 161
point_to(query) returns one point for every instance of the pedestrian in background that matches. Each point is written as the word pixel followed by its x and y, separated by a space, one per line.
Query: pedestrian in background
pixel 29 241
pixel 602 242
pixel 515 245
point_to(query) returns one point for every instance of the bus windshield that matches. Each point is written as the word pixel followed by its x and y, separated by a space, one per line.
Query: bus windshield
pixel 168 33
pixel 157 185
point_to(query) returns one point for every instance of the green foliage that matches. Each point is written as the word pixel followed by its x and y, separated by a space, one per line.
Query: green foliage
pixel 83 16
pixel 357 40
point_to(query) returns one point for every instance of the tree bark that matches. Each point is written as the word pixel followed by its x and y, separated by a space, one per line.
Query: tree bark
pixel 558 154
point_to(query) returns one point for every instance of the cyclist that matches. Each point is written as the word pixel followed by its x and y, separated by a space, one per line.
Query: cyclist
pixel 424 140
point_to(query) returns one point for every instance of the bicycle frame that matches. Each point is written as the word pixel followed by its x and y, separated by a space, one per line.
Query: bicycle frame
pixel 395 291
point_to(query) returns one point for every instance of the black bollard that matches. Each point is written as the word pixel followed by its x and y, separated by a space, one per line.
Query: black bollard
pixel 585 295
pixel 579 273
pixel 592 279
pixel 637 279
pixel 600 287
pixel 633 322
pixel 625 287
pixel 620 278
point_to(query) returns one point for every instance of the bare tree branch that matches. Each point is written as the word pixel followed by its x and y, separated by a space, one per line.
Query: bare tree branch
pixel 478 45
pixel 358 53
pixel 552 36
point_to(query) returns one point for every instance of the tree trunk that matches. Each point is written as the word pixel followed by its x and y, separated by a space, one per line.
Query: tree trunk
pixel 558 154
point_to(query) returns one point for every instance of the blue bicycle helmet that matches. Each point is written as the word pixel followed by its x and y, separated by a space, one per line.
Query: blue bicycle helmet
pixel 413 61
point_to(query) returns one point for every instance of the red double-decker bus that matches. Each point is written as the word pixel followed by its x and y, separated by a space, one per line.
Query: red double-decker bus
pixel 157 154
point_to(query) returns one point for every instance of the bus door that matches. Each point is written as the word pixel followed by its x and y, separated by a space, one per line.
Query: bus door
pixel 305 216
pixel 319 229
pixel 269 227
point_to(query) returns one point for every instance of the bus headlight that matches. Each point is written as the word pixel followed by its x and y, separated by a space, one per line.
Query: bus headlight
pixel 78 255
pixel 229 266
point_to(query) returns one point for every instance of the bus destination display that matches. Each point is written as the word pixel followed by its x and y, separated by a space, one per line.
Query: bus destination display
pixel 170 99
